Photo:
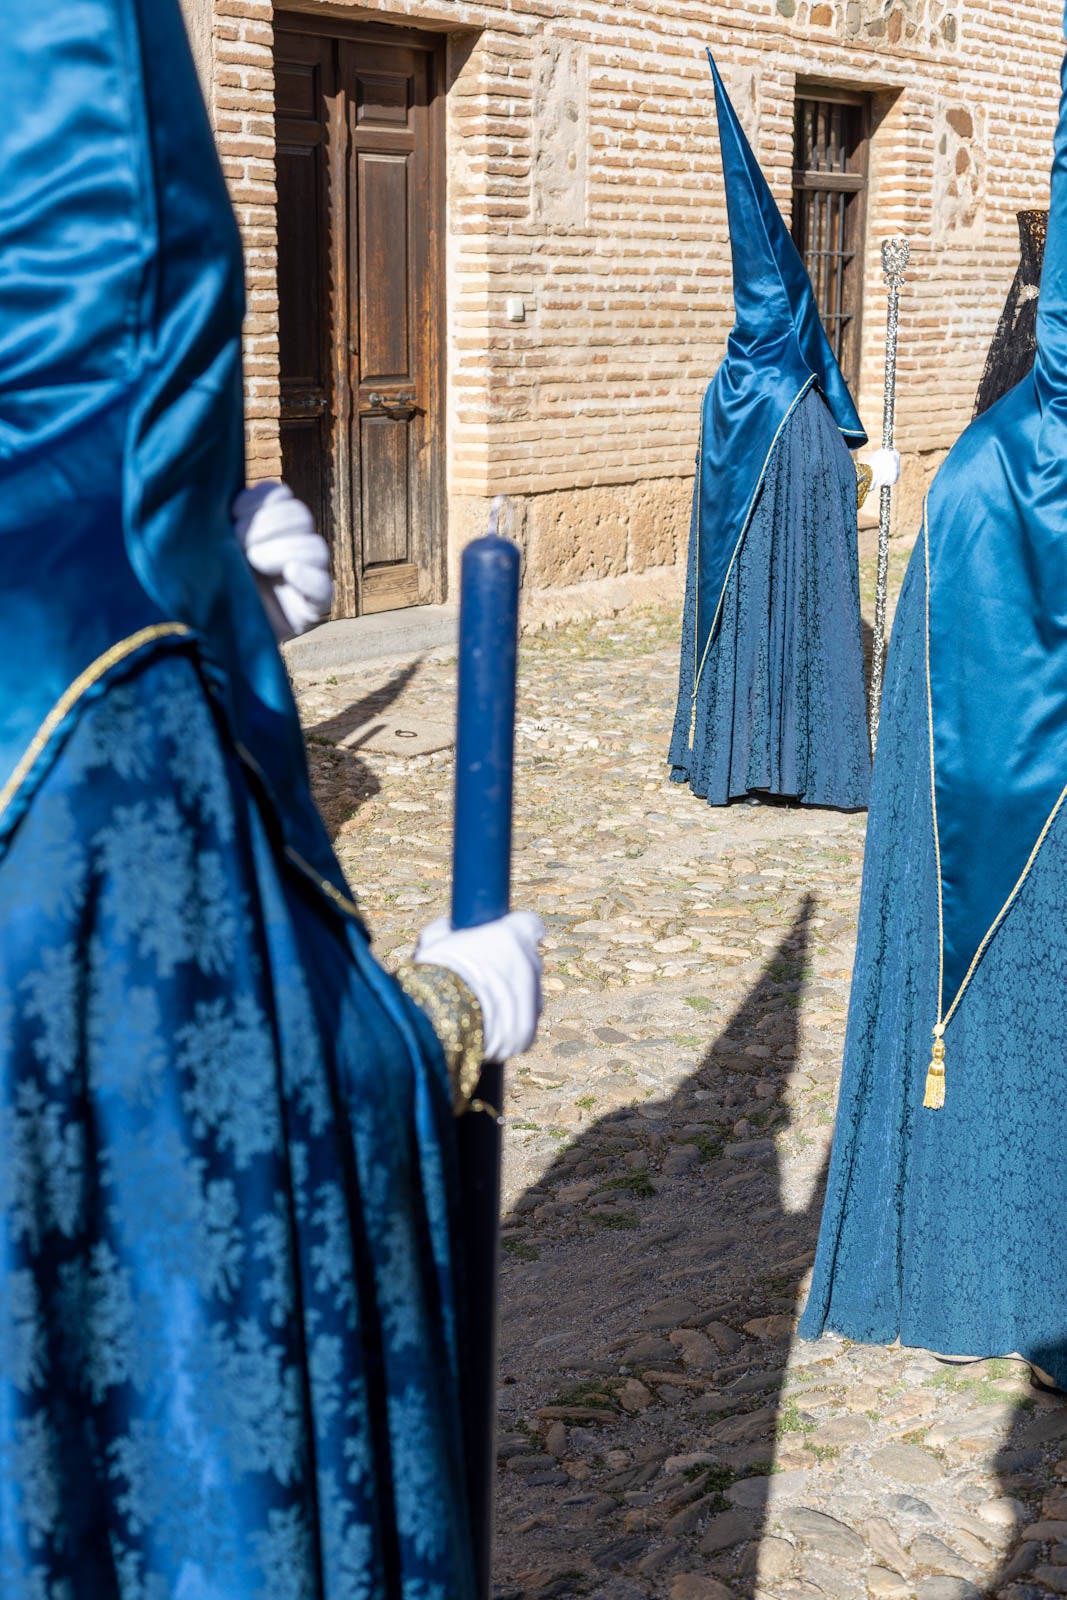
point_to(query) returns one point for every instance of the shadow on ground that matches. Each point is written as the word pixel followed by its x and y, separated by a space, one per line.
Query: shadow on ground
pixel 342 780
pixel 648 1291
pixel 647 1298
pixel 1026 1467
pixel 367 708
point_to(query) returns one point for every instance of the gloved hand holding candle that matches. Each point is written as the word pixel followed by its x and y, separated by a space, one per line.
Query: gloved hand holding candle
pixel 501 965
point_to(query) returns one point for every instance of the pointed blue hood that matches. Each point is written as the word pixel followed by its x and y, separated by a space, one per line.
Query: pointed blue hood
pixel 996 549
pixel 121 423
pixel 775 353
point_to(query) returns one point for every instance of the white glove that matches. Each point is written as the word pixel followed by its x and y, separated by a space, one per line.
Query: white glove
pixel 291 562
pixel 885 465
pixel 501 964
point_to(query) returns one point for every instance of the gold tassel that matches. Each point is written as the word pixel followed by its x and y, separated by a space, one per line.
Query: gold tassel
pixel 934 1098
pixel 693 724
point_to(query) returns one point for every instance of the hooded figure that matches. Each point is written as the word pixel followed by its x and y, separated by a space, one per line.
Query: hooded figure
pixel 945 1222
pixel 230 1342
pixel 771 689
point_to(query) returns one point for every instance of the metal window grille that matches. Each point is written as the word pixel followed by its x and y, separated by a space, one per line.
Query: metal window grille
pixel 829 204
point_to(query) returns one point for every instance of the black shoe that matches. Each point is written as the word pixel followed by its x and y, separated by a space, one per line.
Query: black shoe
pixel 1041 1380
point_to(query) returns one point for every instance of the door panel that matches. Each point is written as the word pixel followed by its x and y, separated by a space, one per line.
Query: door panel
pixel 302 82
pixel 383 269
pixel 384 452
pixel 389 89
pixel 383 99
pixel 360 190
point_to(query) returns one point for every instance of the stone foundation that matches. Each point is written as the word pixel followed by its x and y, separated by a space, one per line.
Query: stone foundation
pixel 602 597
pixel 571 537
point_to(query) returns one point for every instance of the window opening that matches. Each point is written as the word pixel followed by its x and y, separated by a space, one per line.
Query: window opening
pixel 829 205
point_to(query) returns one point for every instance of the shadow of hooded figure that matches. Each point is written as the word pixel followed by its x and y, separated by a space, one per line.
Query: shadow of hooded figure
pixel 656 1289
pixel 651 1274
pixel 350 782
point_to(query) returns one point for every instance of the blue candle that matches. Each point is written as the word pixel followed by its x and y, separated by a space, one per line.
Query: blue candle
pixel 485 731
pixel 481 892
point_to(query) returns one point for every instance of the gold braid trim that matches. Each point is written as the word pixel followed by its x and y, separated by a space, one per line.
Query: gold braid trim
pixel 343 902
pixel 864 479
pixel 74 692
pixel 456 1018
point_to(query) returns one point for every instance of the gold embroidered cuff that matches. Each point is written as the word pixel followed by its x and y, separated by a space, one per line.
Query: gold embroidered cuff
pixel 456 1018
pixel 864 479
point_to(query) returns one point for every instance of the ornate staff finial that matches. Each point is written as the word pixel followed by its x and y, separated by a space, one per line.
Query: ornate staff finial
pixel 896 253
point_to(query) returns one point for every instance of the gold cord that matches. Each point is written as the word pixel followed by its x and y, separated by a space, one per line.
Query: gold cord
pixel 74 692
pixel 934 1098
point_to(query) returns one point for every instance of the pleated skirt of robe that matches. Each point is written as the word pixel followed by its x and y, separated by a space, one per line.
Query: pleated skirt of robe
pixel 228 1320
pixel 780 709
pixel 946 1228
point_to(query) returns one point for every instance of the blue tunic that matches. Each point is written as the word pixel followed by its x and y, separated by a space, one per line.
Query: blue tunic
pixel 229 1352
pixel 228 1340
pixel 948 1228
pixel 780 706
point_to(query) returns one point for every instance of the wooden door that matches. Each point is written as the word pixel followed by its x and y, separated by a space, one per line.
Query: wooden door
pixel 360 201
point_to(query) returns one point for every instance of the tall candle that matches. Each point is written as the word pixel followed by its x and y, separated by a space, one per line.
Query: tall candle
pixel 485 731
pixel 481 892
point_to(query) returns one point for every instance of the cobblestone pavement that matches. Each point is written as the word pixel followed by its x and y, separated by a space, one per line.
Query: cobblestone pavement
pixel 662 1431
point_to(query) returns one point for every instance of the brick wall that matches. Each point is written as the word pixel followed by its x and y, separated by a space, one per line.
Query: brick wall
pixel 233 44
pixel 584 178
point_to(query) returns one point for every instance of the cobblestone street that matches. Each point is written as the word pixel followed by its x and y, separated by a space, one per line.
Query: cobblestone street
pixel 662 1432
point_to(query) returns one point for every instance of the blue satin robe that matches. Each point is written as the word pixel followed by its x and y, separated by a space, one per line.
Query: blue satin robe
pixel 776 351
pixel 229 1345
pixel 946 1228
pixel 229 1314
pixel 780 706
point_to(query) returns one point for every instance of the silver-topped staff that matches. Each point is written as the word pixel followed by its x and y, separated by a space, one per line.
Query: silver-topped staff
pixel 895 253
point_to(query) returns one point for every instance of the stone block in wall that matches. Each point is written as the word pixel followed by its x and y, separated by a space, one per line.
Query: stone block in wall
pixel 468 518
pixel 743 85
pixel 923 24
pixel 659 522
pixel 577 534
pixel 959 179
pixel 916 475
pixel 561 134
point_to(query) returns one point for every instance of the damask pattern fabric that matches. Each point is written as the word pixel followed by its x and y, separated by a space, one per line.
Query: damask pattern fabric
pixel 228 1336
pixel 946 1228
pixel 780 708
